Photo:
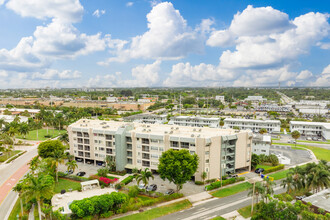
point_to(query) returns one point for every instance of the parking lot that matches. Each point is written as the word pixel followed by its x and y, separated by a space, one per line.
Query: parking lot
pixel 296 156
pixel 88 168
pixel 188 189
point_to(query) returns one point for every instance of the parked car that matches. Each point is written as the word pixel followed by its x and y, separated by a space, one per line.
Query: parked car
pixel 89 162
pixel 169 192
pixel 68 172
pixel 152 187
pixel 101 164
pixel 79 160
pixel 82 173
pixel 309 138
pixel 142 186
pixel 314 138
pixel 300 197
pixel 1 153
pixel 259 170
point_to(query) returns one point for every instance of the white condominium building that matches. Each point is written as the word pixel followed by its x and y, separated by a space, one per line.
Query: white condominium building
pixel 320 129
pixel 220 98
pixel 147 118
pixel 255 99
pixel 272 126
pixel 261 144
pixel 195 121
pixel 136 145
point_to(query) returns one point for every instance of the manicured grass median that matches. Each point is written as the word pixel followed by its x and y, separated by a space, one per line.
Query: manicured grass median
pixel 320 153
pixel 279 175
pixel 231 190
pixel 263 166
pixel 245 211
pixel 6 155
pixel 66 184
pixel 315 142
pixel 41 134
pixel 160 211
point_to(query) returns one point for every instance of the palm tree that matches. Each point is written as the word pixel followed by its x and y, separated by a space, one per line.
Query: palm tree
pixel 268 188
pixel 19 189
pixel 64 138
pixel 111 162
pixel 57 158
pixel 7 142
pixel 259 189
pixel 12 132
pixel 204 175
pixel 34 164
pixel 144 176
pixel 288 182
pixel 23 129
pixel 2 123
pixel 295 135
pixel 72 165
pixel 297 173
pixel 39 187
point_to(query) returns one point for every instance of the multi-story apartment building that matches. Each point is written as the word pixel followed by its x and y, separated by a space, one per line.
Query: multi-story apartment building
pixel 320 129
pixel 272 126
pixel 275 108
pixel 195 121
pixel 147 118
pixel 261 144
pixel 220 98
pixel 136 145
pixel 255 99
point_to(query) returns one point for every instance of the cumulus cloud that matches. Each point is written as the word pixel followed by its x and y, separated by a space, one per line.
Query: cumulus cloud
pixel 168 37
pixel 324 78
pixel 142 76
pixel 66 10
pixel 304 75
pixel 265 37
pixel 55 74
pixel 129 4
pixel 2 2
pixel 97 13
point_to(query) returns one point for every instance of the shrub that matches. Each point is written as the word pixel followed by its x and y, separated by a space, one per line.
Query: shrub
pixel 224 177
pixel 210 181
pixel 105 180
pixel 120 173
pixel 217 184
pixel 102 172
pixel 127 180
pixel 118 186
pixel 133 191
pixel 273 169
pixel 107 214
pixel 199 183
pixel 47 136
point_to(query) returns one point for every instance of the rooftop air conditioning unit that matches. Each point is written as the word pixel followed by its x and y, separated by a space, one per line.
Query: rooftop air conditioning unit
pixel 192 135
pixel 144 129
pixel 166 132
pixel 171 132
pixel 177 128
pixel 149 129
pixel 194 129
pixel 172 128
pixel 200 130
pixel 198 135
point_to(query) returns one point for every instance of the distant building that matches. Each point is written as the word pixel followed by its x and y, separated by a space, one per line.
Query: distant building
pixel 261 144
pixel 320 200
pixel 272 126
pixel 135 145
pixel 255 99
pixel 112 99
pixel 220 98
pixel 11 118
pixel 318 129
pixel 194 121
pixel 147 118
pixel 314 111
pixel 274 108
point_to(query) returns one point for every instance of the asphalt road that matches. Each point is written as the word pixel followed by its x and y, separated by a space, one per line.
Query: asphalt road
pixel 325 146
pixel 10 175
pixel 215 207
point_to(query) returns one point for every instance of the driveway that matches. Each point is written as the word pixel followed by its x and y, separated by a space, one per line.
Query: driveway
pixel 296 156
pixel 190 188
pixel 88 168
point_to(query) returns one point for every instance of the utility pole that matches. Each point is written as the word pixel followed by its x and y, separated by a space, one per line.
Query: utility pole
pixel 254 185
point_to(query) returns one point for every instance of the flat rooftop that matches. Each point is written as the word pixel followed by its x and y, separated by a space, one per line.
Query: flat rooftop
pixel 155 129
pixel 325 124
pixel 320 199
pixel 251 120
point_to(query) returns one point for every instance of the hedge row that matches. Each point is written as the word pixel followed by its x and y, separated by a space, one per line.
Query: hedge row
pixel 273 169
pixel 217 184
pixel 127 180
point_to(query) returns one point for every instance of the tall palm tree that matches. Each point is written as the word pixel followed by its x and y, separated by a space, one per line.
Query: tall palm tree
pixel 297 173
pixel 288 183
pixel 2 123
pixel 12 132
pixel 144 176
pixel 268 188
pixel 72 165
pixel 57 158
pixel 19 189
pixel 259 189
pixel 111 162
pixel 23 129
pixel 64 138
pixel 7 142
pixel 39 187
pixel 34 164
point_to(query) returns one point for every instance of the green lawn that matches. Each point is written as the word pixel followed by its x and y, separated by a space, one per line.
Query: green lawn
pixel 263 166
pixel 66 184
pixel 6 156
pixel 315 142
pixel 160 211
pixel 231 190
pixel 15 211
pixel 145 198
pixel 279 175
pixel 218 218
pixel 320 153
pixel 41 134
pixel 245 211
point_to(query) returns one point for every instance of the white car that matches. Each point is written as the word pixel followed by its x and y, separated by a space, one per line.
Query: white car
pixel 142 186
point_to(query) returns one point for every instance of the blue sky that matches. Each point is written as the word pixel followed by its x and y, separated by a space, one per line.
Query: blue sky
pixel 142 43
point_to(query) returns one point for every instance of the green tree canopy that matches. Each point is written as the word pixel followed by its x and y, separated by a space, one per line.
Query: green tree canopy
pixel 47 148
pixel 177 166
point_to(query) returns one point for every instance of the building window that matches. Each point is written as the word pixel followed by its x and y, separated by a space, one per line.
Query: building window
pixel 207 152
pixel 145 141
pixel 154 148
pixel 129 161
pixel 128 139
pixel 154 156
pixel 109 151
pixel 87 148
pixel 138 161
pixel 108 137
pixel 101 148
pixel 207 161
pixel 184 145
pixel 174 144
pixel 161 149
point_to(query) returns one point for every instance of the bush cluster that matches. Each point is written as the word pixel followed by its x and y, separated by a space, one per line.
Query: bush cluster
pixel 98 205
pixel 273 169
pixel 134 205
pixel 199 183
pixel 73 177
pixel 210 180
pixel 272 159
pixel 217 184
pixel 284 197
pixel 120 173
pixel 127 180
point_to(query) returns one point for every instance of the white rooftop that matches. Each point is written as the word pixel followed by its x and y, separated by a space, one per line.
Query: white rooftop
pixel 252 120
pixel 325 124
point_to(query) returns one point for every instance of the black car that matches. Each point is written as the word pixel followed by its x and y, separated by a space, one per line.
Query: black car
pixel 259 170
pixel 152 187
pixel 82 173
pixel 230 176
pixel 169 192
